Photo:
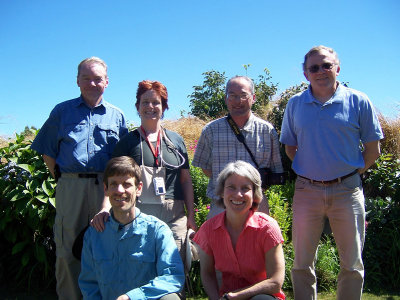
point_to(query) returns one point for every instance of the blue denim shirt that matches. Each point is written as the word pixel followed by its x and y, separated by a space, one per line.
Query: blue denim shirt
pixel 139 259
pixel 80 138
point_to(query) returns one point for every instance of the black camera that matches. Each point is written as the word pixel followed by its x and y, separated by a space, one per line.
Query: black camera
pixel 268 178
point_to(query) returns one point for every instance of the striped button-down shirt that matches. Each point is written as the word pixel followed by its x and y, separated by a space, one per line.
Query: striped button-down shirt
pixel 219 146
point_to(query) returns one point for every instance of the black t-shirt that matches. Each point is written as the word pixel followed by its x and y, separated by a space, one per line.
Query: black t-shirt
pixel 129 145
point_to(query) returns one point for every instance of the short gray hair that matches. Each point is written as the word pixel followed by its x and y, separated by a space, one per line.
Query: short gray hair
pixel 317 49
pixel 248 79
pixel 246 170
pixel 91 60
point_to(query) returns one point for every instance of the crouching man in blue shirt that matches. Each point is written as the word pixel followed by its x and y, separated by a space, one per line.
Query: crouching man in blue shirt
pixel 135 257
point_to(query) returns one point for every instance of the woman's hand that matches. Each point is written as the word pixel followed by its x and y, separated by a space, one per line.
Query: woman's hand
pixel 100 219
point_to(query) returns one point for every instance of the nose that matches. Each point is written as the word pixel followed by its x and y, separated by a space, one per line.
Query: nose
pixel 120 189
pixel 238 192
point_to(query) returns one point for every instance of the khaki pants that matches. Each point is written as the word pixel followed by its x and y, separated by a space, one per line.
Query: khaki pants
pixel 173 213
pixel 77 201
pixel 343 204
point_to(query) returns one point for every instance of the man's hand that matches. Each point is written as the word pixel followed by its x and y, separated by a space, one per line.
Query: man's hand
pixel 99 220
pixel 123 297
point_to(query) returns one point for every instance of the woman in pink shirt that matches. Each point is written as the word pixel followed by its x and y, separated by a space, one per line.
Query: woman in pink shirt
pixel 244 245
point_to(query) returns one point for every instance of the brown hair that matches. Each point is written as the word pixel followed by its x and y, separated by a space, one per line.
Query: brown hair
pixel 120 166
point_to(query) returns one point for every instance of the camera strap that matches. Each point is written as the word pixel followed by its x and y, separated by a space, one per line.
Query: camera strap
pixel 240 137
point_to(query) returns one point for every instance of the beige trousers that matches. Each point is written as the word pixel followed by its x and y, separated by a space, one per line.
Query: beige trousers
pixel 77 201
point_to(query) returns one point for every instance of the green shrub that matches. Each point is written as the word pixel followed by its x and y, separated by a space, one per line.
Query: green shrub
pixel 382 245
pixel 200 182
pixel 280 200
pixel 327 265
pixel 26 216
pixel 382 242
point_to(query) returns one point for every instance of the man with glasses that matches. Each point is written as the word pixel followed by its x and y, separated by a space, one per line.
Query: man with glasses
pixel 218 145
pixel 76 142
pixel 323 128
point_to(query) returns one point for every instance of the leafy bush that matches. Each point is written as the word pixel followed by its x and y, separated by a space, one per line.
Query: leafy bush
pixel 26 215
pixel 280 200
pixel 382 242
pixel 327 265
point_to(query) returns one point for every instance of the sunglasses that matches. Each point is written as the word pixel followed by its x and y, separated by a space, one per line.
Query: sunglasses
pixel 324 66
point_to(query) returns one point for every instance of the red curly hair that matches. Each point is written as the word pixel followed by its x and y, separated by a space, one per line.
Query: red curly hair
pixel 158 87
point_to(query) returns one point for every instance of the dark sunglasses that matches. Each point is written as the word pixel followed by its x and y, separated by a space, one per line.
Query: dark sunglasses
pixel 324 66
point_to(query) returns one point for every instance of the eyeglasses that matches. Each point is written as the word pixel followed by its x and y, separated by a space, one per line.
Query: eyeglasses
pixel 324 66
pixel 242 97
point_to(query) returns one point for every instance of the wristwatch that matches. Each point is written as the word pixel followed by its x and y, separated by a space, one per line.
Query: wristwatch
pixel 225 296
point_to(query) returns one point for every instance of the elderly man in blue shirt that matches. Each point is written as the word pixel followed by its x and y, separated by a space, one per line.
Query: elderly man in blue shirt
pixel 76 142
pixel 135 257
pixel 322 130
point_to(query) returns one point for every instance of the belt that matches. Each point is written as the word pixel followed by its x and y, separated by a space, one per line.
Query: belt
pixel 336 180
pixel 87 175
pixel 82 175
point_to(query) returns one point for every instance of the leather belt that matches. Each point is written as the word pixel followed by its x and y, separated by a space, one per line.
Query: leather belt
pixel 82 175
pixel 87 175
pixel 336 180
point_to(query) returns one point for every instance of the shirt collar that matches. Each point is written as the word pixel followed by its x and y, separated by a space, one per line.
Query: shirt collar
pixel 79 101
pixel 115 225
pixel 250 222
pixel 336 97
pixel 249 124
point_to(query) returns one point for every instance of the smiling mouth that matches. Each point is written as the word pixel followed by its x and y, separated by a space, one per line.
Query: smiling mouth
pixel 120 199
pixel 237 202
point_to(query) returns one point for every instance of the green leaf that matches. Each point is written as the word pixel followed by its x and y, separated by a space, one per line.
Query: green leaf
pixel 26 167
pixel 17 196
pixel 42 198
pixel 25 258
pixel 18 247
pixel 13 159
pixel 47 188
pixel 52 201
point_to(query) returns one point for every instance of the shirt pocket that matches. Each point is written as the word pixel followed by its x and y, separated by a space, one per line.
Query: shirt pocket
pixel 142 257
pixel 105 137
pixel 104 267
pixel 74 133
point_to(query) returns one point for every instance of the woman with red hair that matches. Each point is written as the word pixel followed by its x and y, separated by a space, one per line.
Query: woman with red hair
pixel 162 157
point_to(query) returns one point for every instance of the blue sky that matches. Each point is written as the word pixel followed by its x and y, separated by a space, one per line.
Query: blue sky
pixel 42 42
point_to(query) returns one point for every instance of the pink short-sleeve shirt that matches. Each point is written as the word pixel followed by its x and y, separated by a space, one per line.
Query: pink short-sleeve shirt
pixel 245 265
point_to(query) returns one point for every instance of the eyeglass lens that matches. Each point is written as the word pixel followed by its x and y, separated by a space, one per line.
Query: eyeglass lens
pixel 324 66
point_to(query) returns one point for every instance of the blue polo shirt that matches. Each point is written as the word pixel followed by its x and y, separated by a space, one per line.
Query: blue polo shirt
pixel 81 138
pixel 328 135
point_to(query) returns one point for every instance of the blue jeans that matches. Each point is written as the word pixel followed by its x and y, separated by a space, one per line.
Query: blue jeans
pixel 343 204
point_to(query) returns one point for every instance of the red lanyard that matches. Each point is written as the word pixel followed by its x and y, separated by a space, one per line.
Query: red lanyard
pixel 154 151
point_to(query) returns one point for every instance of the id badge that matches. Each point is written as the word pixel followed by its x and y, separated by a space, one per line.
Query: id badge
pixel 159 186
